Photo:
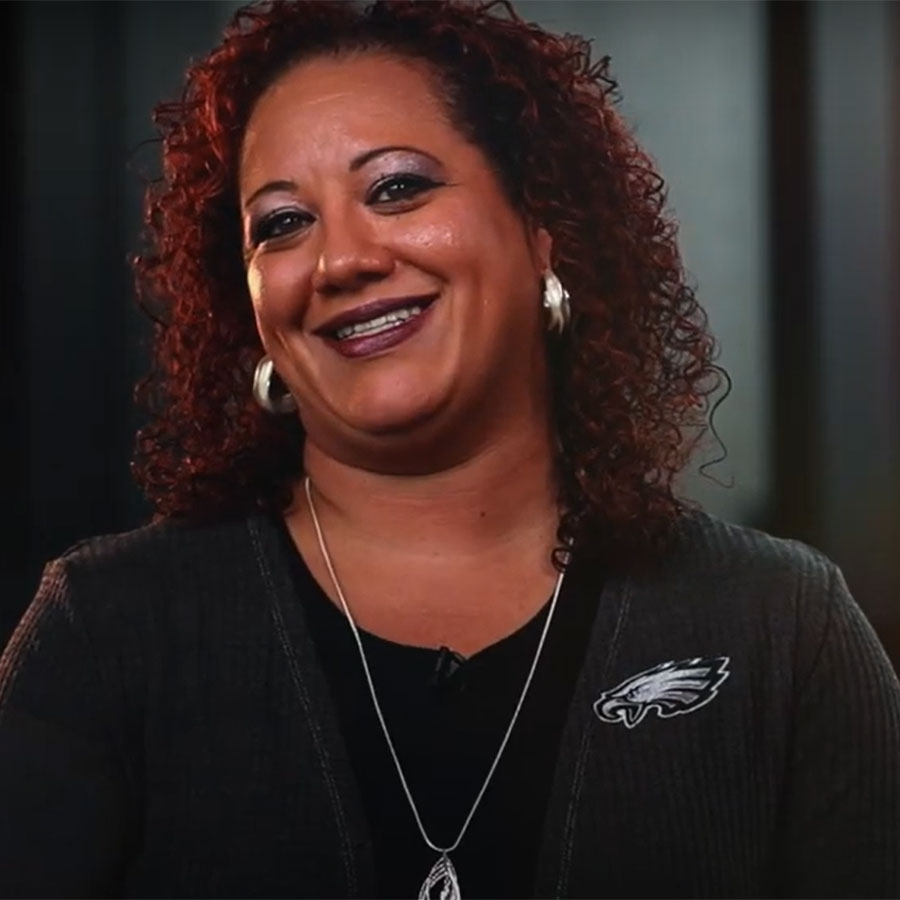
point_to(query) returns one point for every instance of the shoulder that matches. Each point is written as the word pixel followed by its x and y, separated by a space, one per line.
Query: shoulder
pixel 122 599
pixel 774 590
pixel 172 551
pixel 706 547
pixel 163 566
pixel 739 583
pixel 166 542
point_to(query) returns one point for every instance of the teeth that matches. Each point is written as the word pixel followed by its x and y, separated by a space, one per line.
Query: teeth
pixel 382 323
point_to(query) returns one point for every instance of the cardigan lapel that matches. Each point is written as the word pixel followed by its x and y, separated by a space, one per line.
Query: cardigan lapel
pixel 552 876
pixel 353 851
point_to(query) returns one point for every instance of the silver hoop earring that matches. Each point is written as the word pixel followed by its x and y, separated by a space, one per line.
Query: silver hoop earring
pixel 262 389
pixel 556 302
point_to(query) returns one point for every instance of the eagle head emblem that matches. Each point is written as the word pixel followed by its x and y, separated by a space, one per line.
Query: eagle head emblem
pixel 670 689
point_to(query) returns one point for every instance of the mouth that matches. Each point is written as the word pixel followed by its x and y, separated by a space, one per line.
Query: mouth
pixel 376 326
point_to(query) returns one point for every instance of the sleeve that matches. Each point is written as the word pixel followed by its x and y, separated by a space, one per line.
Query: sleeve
pixel 61 787
pixel 842 816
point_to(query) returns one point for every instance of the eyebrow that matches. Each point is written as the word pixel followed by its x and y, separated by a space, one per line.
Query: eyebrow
pixel 355 165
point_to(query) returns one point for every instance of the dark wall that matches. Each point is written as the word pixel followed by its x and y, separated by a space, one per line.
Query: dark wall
pixel 834 86
pixel 83 79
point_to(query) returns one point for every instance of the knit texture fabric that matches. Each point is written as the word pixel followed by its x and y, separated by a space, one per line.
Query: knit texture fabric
pixel 166 730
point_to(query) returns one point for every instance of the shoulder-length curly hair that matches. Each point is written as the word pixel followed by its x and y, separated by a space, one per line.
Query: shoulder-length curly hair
pixel 632 378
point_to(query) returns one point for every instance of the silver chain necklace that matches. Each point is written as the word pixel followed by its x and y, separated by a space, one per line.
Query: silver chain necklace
pixel 442 876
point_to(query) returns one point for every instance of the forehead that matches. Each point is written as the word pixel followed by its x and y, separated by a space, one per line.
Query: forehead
pixel 346 103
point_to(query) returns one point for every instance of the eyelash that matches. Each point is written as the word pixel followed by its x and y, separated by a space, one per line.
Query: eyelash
pixel 410 187
pixel 414 185
pixel 265 228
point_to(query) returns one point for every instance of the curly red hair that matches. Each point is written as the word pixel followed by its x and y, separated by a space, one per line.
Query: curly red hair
pixel 631 379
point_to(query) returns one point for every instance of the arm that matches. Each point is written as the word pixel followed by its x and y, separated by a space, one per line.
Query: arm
pixel 61 788
pixel 841 834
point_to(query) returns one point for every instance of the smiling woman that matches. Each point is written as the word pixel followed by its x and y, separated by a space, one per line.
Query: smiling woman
pixel 419 612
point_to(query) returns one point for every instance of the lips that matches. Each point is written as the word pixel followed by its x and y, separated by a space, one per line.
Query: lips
pixel 368 311
pixel 367 343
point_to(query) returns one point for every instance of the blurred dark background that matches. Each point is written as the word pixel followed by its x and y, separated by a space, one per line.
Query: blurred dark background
pixel 775 124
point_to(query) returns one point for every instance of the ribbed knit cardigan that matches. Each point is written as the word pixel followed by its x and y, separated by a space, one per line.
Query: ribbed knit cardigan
pixel 166 731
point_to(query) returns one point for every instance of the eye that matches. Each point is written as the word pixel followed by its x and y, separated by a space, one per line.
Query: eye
pixel 397 188
pixel 277 224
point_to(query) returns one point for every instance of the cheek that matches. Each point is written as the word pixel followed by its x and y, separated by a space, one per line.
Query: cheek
pixel 457 240
pixel 442 238
pixel 276 286
pixel 489 235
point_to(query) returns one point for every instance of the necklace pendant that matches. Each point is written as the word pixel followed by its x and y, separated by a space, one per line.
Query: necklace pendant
pixel 441 883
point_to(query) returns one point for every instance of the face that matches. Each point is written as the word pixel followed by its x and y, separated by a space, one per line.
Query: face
pixel 394 286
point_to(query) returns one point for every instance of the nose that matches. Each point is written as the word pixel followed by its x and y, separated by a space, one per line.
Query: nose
pixel 350 257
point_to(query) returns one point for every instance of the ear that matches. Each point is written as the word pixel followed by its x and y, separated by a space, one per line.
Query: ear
pixel 541 248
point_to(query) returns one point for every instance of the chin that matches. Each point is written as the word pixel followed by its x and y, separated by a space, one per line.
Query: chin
pixel 399 413
pixel 393 395
pixel 402 433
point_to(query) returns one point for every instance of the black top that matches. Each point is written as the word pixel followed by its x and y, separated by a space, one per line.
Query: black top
pixel 167 729
pixel 447 716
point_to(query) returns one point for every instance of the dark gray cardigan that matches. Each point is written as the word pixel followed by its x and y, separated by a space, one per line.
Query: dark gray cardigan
pixel 166 731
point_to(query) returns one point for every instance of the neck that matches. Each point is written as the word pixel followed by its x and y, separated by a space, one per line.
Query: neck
pixel 504 496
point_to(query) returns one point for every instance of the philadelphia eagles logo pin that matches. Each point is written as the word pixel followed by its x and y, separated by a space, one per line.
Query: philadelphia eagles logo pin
pixel 671 689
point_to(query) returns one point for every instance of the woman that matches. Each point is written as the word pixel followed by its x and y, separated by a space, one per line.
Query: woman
pixel 419 612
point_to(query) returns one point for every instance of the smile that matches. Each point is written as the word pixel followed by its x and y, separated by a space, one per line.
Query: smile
pixel 380 323
pixel 378 326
